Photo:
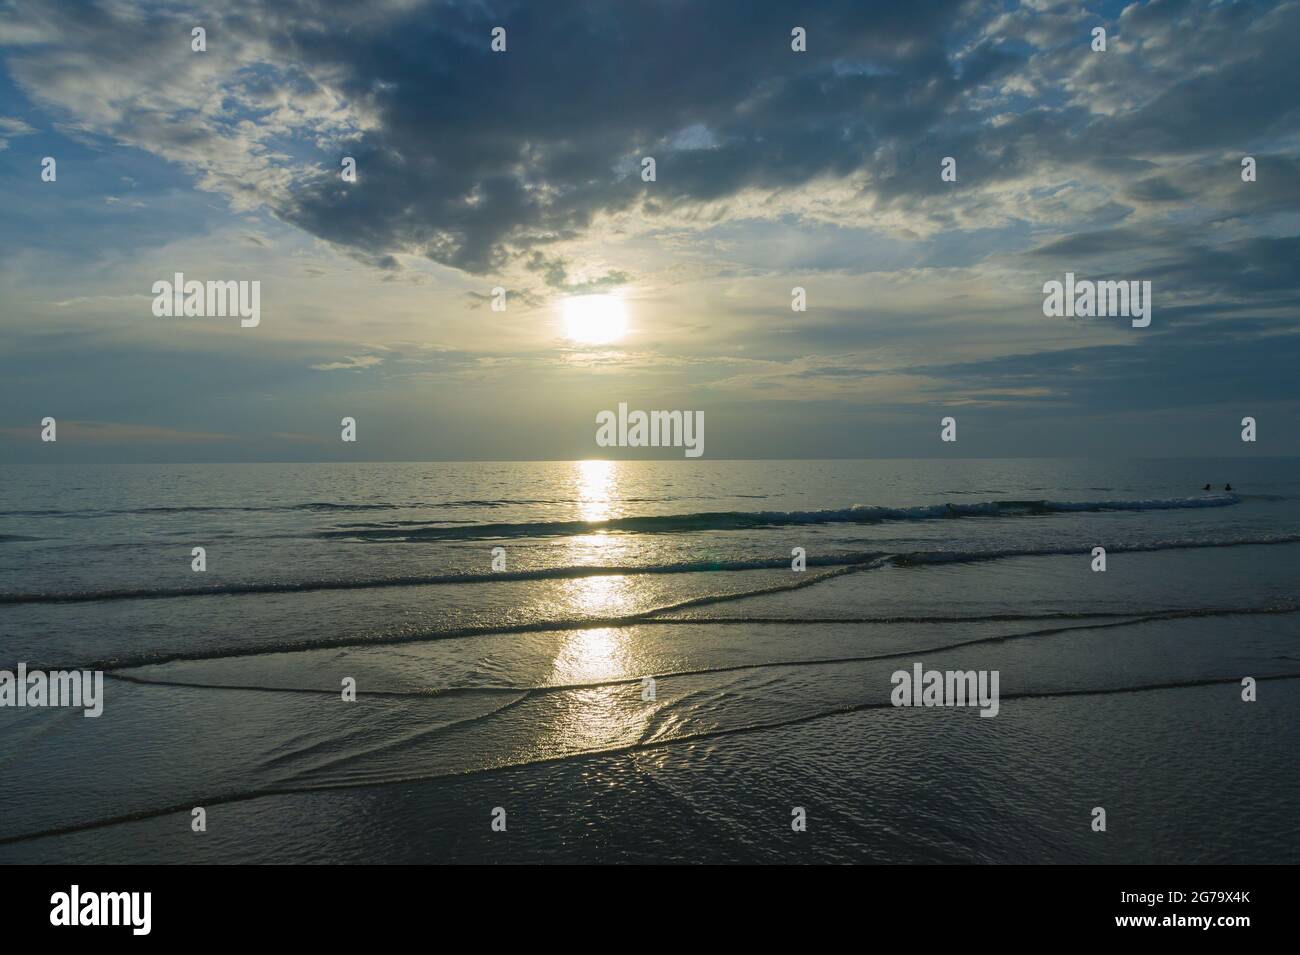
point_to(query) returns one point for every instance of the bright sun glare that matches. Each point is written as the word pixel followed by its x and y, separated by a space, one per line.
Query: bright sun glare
pixel 595 319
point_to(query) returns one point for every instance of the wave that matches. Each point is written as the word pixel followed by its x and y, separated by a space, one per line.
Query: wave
pixel 655 616
pixel 918 558
pixel 1067 623
pixel 743 520
pixel 324 506
pixel 327 507
pixel 159 656
pixel 569 572
pixel 566 572
pixel 231 797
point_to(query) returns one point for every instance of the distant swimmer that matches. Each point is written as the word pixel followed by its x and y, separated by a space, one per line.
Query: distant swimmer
pixel 1227 487
pixel 1206 488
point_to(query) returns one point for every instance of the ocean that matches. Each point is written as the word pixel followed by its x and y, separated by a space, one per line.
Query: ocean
pixel 606 661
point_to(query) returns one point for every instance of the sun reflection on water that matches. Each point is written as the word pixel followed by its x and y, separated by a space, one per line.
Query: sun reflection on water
pixel 606 715
pixel 599 716
pixel 591 655
pixel 599 596
pixel 597 488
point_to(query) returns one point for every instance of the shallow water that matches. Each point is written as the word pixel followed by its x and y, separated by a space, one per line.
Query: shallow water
pixel 523 689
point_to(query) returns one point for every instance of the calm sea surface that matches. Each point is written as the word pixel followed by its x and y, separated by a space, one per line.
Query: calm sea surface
pixel 524 688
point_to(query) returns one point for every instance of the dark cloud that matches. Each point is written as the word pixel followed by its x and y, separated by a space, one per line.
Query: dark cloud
pixel 1249 361
pixel 1088 244
pixel 473 158
pixel 479 154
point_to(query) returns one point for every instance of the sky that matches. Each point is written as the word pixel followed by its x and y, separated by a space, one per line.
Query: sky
pixel 522 170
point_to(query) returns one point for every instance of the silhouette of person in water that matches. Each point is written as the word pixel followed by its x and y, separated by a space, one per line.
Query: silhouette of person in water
pixel 1227 487
pixel 1206 488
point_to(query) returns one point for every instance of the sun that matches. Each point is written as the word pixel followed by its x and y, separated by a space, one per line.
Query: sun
pixel 595 319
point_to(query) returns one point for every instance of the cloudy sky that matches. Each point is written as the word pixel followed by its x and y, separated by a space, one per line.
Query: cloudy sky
pixel 522 170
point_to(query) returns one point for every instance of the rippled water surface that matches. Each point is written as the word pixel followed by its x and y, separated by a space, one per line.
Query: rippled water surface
pixel 525 688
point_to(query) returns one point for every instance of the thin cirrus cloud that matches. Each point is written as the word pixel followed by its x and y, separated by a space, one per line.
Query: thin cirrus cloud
pixel 351 363
pixel 96 433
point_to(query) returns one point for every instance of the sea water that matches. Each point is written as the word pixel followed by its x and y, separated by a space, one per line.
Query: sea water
pixel 517 681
